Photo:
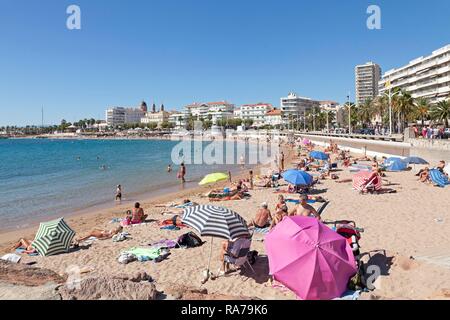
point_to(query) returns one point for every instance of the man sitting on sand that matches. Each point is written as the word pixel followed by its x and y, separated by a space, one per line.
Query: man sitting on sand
pixel 101 234
pixel 304 209
pixel 263 217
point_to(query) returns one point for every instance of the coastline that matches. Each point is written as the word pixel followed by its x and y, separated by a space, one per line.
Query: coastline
pixel 86 219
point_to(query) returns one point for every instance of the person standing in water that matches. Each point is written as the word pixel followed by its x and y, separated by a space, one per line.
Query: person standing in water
pixel 182 172
pixel 169 168
pixel 242 160
pixel 119 193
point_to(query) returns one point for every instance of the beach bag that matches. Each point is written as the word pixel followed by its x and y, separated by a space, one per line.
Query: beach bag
pixel 189 240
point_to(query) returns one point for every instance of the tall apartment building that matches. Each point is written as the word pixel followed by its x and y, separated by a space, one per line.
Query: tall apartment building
pixel 425 77
pixel 367 77
pixel 295 107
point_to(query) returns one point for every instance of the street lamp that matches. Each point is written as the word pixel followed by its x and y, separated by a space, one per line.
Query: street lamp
pixel 390 95
pixel 349 115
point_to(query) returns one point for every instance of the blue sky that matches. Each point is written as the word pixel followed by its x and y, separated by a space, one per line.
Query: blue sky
pixel 179 51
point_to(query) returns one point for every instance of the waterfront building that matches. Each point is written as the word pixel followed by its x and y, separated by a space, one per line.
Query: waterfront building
pixel 157 117
pixel 294 107
pixel 273 118
pixel 367 77
pixel 425 77
pixel 255 112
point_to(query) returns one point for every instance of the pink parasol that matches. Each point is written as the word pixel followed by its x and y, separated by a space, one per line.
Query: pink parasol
pixel 309 258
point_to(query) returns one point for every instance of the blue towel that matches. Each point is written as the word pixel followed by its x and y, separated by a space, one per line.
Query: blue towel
pixel 349 295
pixel 298 201
pixel 262 230
pixel 439 178
pixel 170 228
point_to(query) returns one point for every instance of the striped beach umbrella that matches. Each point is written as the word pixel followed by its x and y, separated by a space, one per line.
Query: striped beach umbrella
pixel 53 237
pixel 216 222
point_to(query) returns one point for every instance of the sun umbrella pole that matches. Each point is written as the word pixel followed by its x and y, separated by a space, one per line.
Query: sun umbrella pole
pixel 210 254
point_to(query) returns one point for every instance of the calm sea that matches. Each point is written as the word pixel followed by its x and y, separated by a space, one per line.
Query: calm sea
pixel 47 178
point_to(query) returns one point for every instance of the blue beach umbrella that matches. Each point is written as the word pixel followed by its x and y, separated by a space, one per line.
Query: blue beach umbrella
pixel 297 177
pixel 415 160
pixel 319 155
pixel 395 164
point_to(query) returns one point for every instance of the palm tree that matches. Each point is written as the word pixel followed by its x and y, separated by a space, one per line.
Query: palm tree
pixel 380 106
pixel 422 109
pixel 403 105
pixel 365 112
pixel 441 112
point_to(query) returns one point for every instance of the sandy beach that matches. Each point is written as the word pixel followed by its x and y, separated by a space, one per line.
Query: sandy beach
pixel 407 234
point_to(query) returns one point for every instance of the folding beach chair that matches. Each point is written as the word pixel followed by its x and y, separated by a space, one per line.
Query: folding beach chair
pixel 373 185
pixel 238 255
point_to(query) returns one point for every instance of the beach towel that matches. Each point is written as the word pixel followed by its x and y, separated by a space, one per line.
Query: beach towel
pixel 144 254
pixel 22 250
pixel 349 295
pixel 164 244
pixel 11 257
pixel 262 230
pixel 170 227
pixel 438 178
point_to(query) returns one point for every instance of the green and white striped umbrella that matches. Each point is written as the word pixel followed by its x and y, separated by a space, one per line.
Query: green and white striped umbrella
pixel 53 237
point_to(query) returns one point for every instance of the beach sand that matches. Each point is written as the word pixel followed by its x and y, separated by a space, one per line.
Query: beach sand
pixel 407 233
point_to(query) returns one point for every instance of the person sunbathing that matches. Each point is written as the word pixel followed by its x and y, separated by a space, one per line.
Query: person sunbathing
pixel 279 216
pixel 25 244
pixel 304 209
pixel 281 202
pixel 424 175
pixel 101 234
pixel 263 217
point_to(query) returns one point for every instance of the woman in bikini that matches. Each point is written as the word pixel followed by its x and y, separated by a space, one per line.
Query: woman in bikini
pixel 101 234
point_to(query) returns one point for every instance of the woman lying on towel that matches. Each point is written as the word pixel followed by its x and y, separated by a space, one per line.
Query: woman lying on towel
pixel 101 234
pixel 25 244
pixel 174 221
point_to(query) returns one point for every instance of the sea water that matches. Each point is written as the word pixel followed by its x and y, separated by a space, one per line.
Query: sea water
pixel 42 178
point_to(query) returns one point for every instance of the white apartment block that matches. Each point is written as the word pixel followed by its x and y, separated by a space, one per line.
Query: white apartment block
pixel 255 112
pixel 178 118
pixel 117 116
pixel 295 107
pixel 214 111
pixel 133 115
pixel 425 77
pixel 367 77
